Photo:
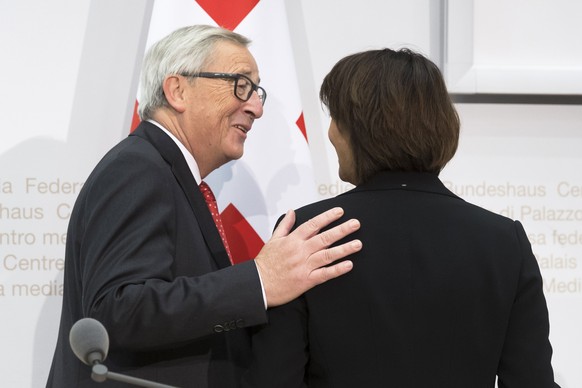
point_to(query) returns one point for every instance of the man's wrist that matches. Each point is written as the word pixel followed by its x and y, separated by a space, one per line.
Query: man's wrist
pixel 262 287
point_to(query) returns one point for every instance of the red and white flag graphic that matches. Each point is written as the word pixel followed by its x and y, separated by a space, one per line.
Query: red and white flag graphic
pixel 275 174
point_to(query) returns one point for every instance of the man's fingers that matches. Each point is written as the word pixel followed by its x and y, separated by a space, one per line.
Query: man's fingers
pixel 320 260
pixel 324 274
pixel 291 263
pixel 313 226
pixel 325 239
pixel 285 225
pixel 327 256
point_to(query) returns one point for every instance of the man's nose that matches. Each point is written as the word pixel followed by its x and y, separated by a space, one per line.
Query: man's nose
pixel 254 105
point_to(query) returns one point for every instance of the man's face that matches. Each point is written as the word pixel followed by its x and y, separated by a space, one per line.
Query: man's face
pixel 216 122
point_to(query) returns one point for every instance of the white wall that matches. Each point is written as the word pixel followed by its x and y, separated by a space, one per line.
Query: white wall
pixel 323 32
pixel 68 78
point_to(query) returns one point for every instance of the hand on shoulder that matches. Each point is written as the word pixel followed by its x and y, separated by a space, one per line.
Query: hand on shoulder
pixel 291 263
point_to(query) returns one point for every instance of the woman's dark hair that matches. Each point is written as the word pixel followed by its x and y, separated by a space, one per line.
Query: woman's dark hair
pixel 394 108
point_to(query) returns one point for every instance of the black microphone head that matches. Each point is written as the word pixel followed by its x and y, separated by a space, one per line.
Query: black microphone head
pixel 89 340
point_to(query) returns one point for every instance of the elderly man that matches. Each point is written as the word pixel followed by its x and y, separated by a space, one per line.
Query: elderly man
pixel 144 253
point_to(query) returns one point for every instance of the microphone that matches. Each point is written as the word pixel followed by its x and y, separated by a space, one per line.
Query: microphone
pixel 90 343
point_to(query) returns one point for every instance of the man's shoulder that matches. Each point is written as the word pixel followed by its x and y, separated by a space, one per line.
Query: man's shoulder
pixel 131 151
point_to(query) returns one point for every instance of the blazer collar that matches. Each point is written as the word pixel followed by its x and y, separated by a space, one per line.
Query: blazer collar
pixel 173 156
pixel 411 181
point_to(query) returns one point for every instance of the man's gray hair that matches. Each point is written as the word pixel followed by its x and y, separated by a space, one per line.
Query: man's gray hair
pixel 185 50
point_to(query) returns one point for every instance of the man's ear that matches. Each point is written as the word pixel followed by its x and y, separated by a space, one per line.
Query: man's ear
pixel 175 92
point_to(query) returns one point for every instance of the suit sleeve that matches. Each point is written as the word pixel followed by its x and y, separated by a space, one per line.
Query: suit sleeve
pixel 280 349
pixel 125 233
pixel 526 355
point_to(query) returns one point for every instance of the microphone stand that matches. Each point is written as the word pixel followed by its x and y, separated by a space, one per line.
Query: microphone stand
pixel 100 373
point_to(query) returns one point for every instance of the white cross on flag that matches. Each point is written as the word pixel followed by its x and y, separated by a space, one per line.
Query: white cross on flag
pixel 275 174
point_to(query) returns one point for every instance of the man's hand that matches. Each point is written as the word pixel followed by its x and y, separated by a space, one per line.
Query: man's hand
pixel 291 263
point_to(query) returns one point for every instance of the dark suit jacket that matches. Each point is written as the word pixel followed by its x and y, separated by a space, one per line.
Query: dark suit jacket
pixel 443 294
pixel 144 258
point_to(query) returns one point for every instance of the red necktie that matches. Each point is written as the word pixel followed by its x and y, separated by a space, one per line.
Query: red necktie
pixel 211 203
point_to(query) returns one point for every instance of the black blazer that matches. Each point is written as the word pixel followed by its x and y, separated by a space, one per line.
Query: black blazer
pixel 143 257
pixel 443 294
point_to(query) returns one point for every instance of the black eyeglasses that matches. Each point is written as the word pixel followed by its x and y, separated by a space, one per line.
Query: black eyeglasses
pixel 243 86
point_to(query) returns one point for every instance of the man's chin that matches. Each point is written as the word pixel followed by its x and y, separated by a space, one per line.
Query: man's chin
pixel 236 155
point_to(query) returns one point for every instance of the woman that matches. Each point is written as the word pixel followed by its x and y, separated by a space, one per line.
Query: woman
pixel 444 293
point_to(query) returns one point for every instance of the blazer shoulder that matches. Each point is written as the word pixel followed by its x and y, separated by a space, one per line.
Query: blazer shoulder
pixel 313 209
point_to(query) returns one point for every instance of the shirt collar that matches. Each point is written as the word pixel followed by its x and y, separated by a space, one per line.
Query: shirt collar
pixel 187 155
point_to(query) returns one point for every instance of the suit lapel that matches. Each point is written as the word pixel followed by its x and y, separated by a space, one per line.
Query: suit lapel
pixel 172 154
